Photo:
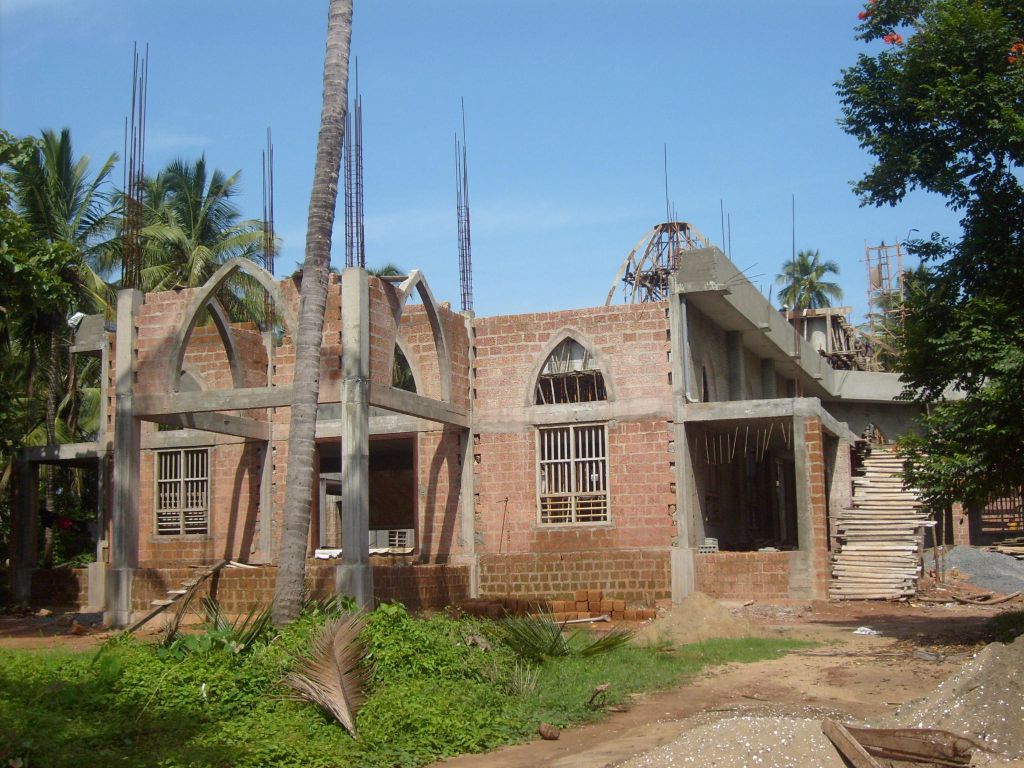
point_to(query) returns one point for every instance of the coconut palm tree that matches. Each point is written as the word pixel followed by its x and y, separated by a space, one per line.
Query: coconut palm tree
pixel 191 226
pixel 313 296
pixel 802 285
pixel 65 207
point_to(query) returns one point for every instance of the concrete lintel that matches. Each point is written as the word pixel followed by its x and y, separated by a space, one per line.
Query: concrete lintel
pixel 518 419
pixel 65 453
pixel 788 407
pixel 221 423
pixel 213 400
pixel 411 404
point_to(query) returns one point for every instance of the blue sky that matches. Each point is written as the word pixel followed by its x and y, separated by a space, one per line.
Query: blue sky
pixel 568 106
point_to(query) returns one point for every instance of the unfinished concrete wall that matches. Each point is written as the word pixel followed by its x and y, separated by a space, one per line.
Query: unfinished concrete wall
pixel 707 354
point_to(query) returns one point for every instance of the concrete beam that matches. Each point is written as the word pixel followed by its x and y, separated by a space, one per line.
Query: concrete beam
pixel 209 401
pixel 411 404
pixel 65 453
pixel 90 335
pixel 221 423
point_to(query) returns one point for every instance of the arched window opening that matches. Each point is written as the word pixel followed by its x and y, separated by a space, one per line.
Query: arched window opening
pixel 570 375
pixel 401 373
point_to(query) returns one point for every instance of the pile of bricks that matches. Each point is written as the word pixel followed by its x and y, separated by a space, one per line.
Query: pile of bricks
pixel 500 607
pixel 591 603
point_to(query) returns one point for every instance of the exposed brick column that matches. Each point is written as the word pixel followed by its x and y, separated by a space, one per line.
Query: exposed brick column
pixel 961 525
pixel 817 504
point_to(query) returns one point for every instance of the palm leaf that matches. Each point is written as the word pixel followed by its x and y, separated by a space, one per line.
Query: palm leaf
pixel 332 675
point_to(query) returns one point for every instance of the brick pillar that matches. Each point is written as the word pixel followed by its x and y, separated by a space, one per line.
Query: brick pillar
pixel 961 525
pixel 809 569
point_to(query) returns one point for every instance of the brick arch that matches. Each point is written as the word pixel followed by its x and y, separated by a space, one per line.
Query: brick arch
pixel 206 299
pixel 556 338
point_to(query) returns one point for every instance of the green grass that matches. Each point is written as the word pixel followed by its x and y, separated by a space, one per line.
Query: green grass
pixel 432 695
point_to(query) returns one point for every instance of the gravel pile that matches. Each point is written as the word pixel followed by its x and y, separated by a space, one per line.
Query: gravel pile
pixel 761 742
pixel 984 700
pixel 985 569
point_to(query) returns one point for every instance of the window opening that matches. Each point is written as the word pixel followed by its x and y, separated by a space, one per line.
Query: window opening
pixel 573 474
pixel 183 492
pixel 570 375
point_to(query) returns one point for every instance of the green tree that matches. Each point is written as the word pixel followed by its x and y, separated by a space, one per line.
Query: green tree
pixel 65 207
pixel 313 293
pixel 802 282
pixel 191 227
pixel 941 108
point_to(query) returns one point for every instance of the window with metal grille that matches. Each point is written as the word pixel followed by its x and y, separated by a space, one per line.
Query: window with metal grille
pixel 182 491
pixel 570 375
pixel 573 474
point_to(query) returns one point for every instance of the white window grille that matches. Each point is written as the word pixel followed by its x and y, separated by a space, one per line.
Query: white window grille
pixel 183 492
pixel 573 474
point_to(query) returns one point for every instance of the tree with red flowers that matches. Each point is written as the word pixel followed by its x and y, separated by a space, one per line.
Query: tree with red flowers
pixel 941 108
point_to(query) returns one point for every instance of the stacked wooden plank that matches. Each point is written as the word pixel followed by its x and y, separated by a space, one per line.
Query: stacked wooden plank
pixel 877 542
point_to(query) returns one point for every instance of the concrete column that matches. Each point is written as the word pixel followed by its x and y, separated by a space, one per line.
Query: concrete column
pixel 681 551
pixel 265 535
pixel 467 489
pixel 124 520
pixel 768 389
pixel 736 375
pixel 354 576
pixel 24 522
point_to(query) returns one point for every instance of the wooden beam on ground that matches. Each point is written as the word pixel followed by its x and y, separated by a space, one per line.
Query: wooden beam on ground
pixel 848 746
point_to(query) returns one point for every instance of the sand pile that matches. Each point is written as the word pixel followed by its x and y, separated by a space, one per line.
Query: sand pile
pixel 984 700
pixel 697 618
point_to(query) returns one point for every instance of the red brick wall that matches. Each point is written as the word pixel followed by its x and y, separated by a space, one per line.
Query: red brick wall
pixel 743 575
pixel 818 501
pixel 234 508
pixel 639 576
pixel 239 589
pixel 630 340
pixel 60 586
pixel 640 483
pixel 440 479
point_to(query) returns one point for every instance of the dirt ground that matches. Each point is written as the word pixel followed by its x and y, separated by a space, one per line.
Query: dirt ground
pixel 848 677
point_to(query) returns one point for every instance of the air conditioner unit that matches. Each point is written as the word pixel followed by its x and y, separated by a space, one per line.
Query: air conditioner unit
pixel 400 539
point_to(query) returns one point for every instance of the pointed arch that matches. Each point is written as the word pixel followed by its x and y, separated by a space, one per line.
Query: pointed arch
pixel 416 280
pixel 206 299
pixel 591 361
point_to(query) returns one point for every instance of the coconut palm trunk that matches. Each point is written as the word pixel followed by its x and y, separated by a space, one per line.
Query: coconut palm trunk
pixel 313 301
